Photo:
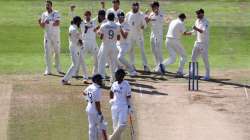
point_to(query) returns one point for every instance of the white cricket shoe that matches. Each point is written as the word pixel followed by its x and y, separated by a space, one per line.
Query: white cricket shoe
pixel 133 73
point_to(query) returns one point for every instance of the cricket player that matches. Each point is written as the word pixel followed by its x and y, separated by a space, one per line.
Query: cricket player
pixel 175 31
pixel 88 28
pixel 115 8
pixel 137 23
pixel 201 29
pixel 157 20
pixel 123 44
pixel 93 109
pixel 120 100
pixel 50 22
pixel 109 34
pixel 75 45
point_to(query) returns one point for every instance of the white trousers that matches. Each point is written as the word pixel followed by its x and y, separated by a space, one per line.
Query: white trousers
pixel 107 53
pixel 75 57
pixel 94 129
pixel 139 41
pixel 89 48
pixel 175 47
pixel 123 50
pixel 156 46
pixel 52 47
pixel 201 49
pixel 119 118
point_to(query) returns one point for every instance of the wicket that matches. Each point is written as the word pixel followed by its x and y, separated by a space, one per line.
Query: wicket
pixel 193 78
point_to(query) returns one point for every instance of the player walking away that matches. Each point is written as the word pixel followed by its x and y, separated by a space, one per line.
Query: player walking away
pixel 175 31
pixel 120 100
pixel 50 21
pixel 75 45
pixel 90 46
pixel 72 13
pixel 201 28
pixel 109 34
pixel 93 109
pixel 115 8
pixel 137 23
pixel 123 44
pixel 157 20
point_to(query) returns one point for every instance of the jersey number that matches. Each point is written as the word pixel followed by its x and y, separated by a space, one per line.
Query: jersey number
pixel 111 34
pixel 90 97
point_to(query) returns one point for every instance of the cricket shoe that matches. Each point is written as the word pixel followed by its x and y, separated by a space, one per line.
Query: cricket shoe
pixel 146 69
pixel 133 73
pixel 60 72
pixel 65 82
pixel 47 73
pixel 206 78
pixel 179 75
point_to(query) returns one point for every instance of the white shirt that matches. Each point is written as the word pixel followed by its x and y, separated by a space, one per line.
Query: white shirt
pixel 121 92
pixel 125 27
pixel 74 36
pixel 157 22
pixel 93 92
pixel 203 25
pixel 110 31
pixel 49 29
pixel 112 10
pixel 176 29
pixel 87 29
pixel 136 21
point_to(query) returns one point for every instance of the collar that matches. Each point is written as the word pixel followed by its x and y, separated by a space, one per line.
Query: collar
pixel 96 85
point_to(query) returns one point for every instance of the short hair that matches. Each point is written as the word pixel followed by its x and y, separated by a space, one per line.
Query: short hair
pixel 115 1
pixel 101 13
pixel 135 4
pixel 49 2
pixel 155 3
pixel 121 14
pixel 111 16
pixel 96 77
pixel 120 72
pixel 87 13
pixel 200 11
pixel 76 19
pixel 182 16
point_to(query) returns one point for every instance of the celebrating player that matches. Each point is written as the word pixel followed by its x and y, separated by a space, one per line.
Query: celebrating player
pixel 157 20
pixel 50 21
pixel 173 43
pixel 90 46
pixel 123 44
pixel 201 28
pixel 75 45
pixel 137 23
pixel 109 34
pixel 115 8
pixel 93 109
pixel 120 99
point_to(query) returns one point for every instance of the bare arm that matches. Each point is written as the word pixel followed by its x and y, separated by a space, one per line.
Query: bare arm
pixel 111 95
pixel 56 23
pixel 197 29
pixel 42 24
pixel 98 107
pixel 187 33
pixel 124 33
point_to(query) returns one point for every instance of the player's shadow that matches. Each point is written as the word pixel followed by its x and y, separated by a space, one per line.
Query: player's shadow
pixel 227 82
pixel 141 85
pixel 153 92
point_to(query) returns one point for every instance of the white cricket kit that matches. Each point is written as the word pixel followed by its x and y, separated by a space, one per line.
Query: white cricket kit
pixel 74 47
pixel 201 43
pixel 112 10
pixel 93 95
pixel 107 52
pixel 156 37
pixel 90 46
pixel 124 46
pixel 136 21
pixel 119 107
pixel 173 43
pixel 51 39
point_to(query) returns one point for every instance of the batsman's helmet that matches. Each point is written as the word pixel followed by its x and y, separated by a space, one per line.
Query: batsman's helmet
pixel 96 77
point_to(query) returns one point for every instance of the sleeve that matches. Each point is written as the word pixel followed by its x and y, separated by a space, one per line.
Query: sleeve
pixel 143 21
pixel 42 17
pixel 126 17
pixel 57 16
pixel 182 28
pixel 102 29
pixel 127 27
pixel 82 26
pixel 129 91
pixel 112 87
pixel 98 96
pixel 86 90
pixel 204 26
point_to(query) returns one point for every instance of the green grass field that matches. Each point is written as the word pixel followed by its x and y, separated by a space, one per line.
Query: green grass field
pixel 21 52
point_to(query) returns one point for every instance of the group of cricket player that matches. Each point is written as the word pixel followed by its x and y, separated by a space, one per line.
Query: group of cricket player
pixel 118 32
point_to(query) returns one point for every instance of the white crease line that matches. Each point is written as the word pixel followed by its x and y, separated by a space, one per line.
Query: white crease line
pixel 140 90
pixel 246 92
